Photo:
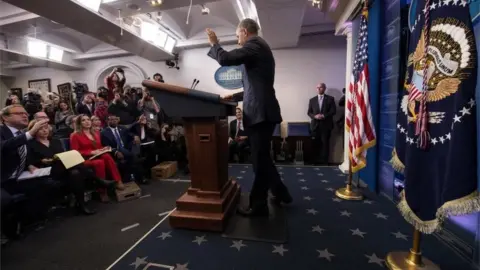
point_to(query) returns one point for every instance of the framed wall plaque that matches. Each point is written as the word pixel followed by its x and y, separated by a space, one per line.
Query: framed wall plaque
pixel 42 85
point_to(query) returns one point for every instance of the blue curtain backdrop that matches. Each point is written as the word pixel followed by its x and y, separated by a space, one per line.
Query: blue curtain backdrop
pixel 369 173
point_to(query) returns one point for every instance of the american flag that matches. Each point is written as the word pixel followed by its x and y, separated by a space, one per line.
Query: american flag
pixel 414 93
pixel 362 133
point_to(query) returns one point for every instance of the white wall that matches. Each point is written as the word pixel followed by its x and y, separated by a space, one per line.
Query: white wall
pixel 319 58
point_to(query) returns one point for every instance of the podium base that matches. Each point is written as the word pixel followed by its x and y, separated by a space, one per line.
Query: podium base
pixel 205 214
pixel 400 260
pixel 272 229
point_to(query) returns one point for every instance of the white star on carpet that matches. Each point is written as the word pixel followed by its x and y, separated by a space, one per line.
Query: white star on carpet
pixel 324 181
pixel 238 244
pixel 325 254
pixel 307 198
pixel 320 174
pixel 299 173
pixel 139 261
pixel 358 232
pixel 304 188
pixel 165 235
pixel 368 202
pixel 181 266
pixel 381 215
pixel 374 259
pixel 302 180
pixel 280 172
pixel 400 235
pixel 298 168
pixel 312 211
pixel 330 189
pixel 317 229
pixel 279 249
pixel 199 239
pixel 242 171
pixel 239 177
pixel 316 169
pixel 345 213
pixel 280 168
pixel 246 167
pixel 336 199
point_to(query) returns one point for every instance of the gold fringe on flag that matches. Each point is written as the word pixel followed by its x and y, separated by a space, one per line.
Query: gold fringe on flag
pixel 462 206
pixel 397 164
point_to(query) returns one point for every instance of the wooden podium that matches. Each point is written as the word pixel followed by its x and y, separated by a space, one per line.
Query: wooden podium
pixel 212 196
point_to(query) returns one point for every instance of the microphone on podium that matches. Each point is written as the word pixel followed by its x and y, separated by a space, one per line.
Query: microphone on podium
pixel 193 84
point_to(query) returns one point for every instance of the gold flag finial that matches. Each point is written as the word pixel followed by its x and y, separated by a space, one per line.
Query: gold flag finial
pixel 365 8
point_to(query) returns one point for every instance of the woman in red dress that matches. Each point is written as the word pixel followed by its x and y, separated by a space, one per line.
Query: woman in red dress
pixel 87 143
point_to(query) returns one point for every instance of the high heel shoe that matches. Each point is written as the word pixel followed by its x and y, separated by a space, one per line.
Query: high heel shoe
pixel 120 186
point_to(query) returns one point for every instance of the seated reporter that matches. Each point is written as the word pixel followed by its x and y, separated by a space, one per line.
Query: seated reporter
pixel 121 140
pixel 238 140
pixel 41 152
pixel 88 144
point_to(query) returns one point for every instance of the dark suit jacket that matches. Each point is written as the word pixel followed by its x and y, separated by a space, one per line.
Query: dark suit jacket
pixel 108 139
pixel 38 151
pixel 83 109
pixel 9 148
pixel 259 101
pixel 328 110
pixel 150 133
pixel 233 129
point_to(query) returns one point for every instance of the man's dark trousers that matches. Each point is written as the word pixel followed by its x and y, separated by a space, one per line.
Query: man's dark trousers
pixel 266 174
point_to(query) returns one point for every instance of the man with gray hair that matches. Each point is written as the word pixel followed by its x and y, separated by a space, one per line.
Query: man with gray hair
pixel 261 111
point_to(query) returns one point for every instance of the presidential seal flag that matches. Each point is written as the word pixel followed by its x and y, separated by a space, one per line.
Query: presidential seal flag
pixel 358 114
pixel 436 147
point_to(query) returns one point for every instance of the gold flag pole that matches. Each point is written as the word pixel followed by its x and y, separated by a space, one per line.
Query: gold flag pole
pixel 348 193
pixel 402 260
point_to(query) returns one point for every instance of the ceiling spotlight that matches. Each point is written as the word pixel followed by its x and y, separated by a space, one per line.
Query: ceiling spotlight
pixel 205 10
pixel 155 3
pixel 317 3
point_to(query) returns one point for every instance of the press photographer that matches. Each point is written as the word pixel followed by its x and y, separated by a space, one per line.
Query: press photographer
pixel 32 102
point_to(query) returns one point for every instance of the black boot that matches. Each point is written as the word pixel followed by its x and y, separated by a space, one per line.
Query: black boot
pixel 101 183
pixel 82 209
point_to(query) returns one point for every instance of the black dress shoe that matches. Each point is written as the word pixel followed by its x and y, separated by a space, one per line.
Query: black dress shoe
pixel 85 210
pixel 104 183
pixel 253 212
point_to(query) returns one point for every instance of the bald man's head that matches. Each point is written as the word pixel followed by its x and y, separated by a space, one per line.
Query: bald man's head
pixel 321 88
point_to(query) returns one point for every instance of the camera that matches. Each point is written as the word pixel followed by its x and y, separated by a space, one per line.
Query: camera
pixel 173 63
pixel 80 89
pixel 32 101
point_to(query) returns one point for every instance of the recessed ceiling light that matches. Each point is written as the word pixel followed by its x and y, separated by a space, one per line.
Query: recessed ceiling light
pixel 155 3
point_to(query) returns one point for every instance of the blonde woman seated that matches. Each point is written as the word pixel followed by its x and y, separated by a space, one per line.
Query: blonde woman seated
pixel 87 143
pixel 41 152
pixel 96 123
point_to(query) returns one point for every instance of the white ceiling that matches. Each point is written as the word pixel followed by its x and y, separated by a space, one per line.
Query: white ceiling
pixel 85 35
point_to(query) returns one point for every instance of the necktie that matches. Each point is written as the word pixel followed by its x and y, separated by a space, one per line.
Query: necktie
pixel 118 138
pixel 22 152
pixel 320 102
pixel 238 128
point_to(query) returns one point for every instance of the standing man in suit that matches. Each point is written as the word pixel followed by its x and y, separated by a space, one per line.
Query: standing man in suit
pixel 261 110
pixel 87 106
pixel 238 139
pixel 321 109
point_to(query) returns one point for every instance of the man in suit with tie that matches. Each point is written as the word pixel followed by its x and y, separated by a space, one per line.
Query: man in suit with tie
pixel 87 106
pixel 261 111
pixel 321 109
pixel 14 161
pixel 238 139
pixel 121 141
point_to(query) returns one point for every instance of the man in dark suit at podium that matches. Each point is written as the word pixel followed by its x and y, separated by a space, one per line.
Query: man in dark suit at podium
pixel 321 109
pixel 261 111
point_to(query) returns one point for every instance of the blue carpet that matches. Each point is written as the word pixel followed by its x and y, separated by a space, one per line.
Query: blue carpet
pixel 324 233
